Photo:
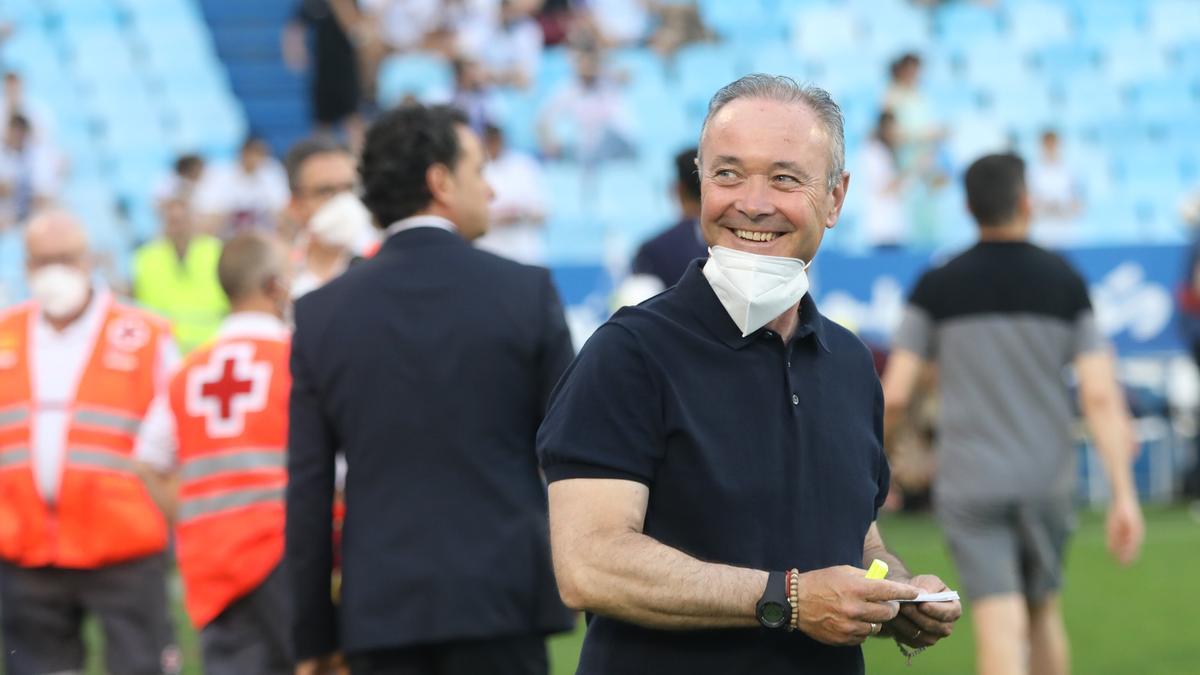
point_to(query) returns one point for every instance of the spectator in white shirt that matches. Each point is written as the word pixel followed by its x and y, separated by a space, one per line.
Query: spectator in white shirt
pixel 472 95
pixel 28 173
pixel 514 52
pixel 885 220
pixel 1055 193
pixel 518 210
pixel 592 111
pixel 244 195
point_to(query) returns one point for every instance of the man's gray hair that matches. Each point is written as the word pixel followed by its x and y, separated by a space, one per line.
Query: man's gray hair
pixel 785 90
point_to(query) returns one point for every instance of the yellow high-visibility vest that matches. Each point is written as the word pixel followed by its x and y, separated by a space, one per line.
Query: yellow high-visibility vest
pixel 185 292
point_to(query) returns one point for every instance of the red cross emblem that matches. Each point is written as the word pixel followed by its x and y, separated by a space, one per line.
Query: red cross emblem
pixel 225 388
pixel 128 333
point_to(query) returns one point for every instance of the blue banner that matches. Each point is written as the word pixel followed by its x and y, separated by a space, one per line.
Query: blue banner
pixel 1132 290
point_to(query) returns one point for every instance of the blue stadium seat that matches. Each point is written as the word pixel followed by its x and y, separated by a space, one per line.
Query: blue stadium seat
pixel 1029 108
pixel 1130 58
pixel 1089 99
pixel 1032 25
pixel 420 75
pixel 1167 98
pixel 746 21
pixel 702 69
pixel 1172 21
pixel 994 62
pixel 963 24
pixel 817 30
pixel 1066 59
pixel 1101 21
pixel 627 201
pixel 779 58
pixel 893 28
pixel 643 68
pixel 1186 58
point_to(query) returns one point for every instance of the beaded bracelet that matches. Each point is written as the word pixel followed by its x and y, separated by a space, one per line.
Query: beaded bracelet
pixel 794 598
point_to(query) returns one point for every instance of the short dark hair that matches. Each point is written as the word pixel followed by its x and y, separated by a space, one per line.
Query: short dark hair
pixel 399 149
pixel 687 174
pixel 188 162
pixel 302 151
pixel 995 183
pixel 19 122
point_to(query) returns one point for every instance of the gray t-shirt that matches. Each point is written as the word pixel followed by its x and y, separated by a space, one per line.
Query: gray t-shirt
pixel 1002 321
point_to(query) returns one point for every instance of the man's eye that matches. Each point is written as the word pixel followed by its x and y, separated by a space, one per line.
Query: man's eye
pixel 782 178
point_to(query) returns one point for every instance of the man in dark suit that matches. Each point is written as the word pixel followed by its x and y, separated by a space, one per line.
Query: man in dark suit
pixel 430 366
pixel 667 254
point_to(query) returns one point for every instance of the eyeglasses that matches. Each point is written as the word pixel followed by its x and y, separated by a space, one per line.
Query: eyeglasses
pixel 329 190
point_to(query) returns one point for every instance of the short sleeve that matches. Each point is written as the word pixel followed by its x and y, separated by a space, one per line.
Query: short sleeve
pixel 1086 335
pixel 915 333
pixel 605 416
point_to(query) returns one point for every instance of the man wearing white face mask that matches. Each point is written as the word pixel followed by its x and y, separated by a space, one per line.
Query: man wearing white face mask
pixel 715 454
pixel 79 533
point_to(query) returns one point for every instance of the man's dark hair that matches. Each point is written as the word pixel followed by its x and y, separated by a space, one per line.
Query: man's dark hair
pixel 400 147
pixel 186 163
pixel 19 122
pixel 995 183
pixel 687 174
pixel 906 59
pixel 305 149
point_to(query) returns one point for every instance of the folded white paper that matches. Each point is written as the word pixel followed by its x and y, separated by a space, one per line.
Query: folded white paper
pixel 944 596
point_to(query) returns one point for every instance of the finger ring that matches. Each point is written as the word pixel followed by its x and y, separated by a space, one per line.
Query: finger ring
pixel 875 628
pixel 917 635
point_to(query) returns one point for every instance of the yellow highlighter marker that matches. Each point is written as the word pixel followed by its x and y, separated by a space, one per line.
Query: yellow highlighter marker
pixel 878 569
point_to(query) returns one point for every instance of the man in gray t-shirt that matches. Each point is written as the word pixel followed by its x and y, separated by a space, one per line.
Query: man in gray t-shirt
pixel 1002 322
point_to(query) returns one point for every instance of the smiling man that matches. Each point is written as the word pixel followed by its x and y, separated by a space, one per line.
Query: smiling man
pixel 714 454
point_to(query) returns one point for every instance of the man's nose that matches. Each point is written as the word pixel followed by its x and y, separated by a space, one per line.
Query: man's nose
pixel 755 201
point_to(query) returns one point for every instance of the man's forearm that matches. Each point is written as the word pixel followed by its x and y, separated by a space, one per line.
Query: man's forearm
pixel 633 577
pixel 1112 432
pixel 874 548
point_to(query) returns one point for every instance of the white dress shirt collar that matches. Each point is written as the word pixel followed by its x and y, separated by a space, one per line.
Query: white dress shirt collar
pixel 421 221
pixel 253 326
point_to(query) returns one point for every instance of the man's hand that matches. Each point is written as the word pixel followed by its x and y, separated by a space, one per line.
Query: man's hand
pixel 840 606
pixel 325 665
pixel 1125 529
pixel 922 624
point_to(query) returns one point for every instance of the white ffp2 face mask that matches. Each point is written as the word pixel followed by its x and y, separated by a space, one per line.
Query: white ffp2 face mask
pixel 60 290
pixel 754 289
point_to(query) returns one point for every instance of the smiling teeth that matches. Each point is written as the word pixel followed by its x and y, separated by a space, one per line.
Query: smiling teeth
pixel 755 236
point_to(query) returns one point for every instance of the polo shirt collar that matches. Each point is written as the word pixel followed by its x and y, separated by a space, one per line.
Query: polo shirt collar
pixel 699 295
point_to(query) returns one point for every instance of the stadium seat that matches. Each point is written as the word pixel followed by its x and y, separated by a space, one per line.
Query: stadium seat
pixel 746 21
pixel 420 75
pixel 1129 58
pixel 779 58
pixel 1097 22
pixel 1033 25
pixel 994 62
pixel 1165 98
pixel 1172 21
pixel 1061 60
pixel 961 25
pixel 893 28
pixel 817 30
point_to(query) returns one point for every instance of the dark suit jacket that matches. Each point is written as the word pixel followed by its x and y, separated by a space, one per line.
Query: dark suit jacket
pixel 430 366
pixel 669 253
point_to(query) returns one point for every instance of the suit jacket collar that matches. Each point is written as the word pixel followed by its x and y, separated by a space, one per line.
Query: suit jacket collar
pixel 420 237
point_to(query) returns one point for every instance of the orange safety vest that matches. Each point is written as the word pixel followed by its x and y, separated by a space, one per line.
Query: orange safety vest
pixel 103 514
pixel 230 401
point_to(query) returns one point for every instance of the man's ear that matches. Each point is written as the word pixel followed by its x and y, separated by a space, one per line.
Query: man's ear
pixel 439 178
pixel 839 199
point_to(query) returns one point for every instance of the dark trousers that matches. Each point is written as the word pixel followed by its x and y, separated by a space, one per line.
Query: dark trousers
pixel 44 609
pixel 252 634
pixel 523 655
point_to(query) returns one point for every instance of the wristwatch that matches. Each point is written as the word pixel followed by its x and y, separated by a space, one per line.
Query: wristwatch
pixel 773 609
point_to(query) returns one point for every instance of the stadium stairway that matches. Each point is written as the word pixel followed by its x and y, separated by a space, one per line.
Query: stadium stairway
pixel 247 37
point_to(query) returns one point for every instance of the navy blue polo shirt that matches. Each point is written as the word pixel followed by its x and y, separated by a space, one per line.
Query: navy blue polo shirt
pixel 757 454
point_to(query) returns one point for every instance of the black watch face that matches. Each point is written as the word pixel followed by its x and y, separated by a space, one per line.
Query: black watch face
pixel 771 615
